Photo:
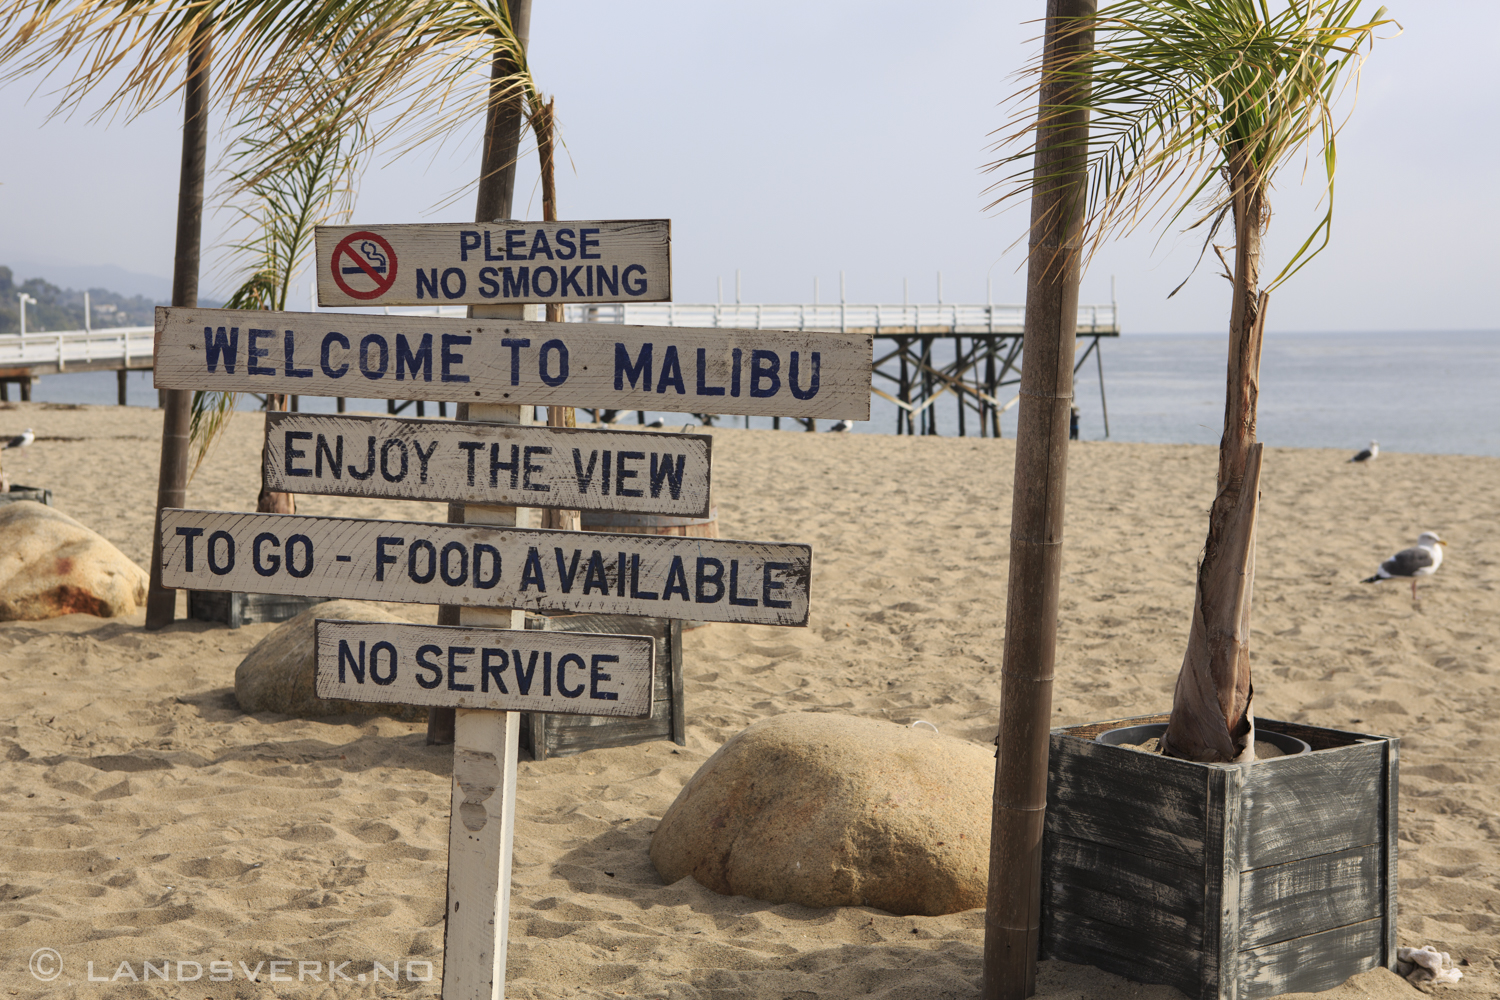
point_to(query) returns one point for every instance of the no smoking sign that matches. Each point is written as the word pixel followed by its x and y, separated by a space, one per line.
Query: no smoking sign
pixel 364 265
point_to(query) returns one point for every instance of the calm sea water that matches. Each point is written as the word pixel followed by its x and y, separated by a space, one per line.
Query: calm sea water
pixel 1433 392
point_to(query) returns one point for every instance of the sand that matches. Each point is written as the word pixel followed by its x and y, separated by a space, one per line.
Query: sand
pixel 143 817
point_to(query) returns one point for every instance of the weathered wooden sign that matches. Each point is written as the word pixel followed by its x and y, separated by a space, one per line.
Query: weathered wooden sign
pixel 499 262
pixel 509 464
pixel 502 670
pixel 412 562
pixel 677 369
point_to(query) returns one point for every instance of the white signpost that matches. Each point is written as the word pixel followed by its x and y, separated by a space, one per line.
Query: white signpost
pixel 496 562
pixel 772 373
pixel 515 465
pixel 497 263
pixel 416 562
pixel 499 670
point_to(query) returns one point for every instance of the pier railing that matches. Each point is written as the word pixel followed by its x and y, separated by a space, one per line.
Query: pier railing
pixel 878 319
pixel 57 351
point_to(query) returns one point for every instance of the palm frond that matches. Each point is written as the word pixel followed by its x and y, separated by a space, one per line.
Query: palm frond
pixel 1188 98
pixel 426 61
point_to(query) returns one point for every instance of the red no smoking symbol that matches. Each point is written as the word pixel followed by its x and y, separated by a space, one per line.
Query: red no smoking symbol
pixel 364 255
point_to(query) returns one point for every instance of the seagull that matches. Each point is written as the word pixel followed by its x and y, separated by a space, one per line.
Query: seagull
pixel 841 426
pixel 1369 454
pixel 21 440
pixel 1423 560
pixel 658 422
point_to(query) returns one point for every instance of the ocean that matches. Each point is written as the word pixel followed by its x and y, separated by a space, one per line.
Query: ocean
pixel 1431 391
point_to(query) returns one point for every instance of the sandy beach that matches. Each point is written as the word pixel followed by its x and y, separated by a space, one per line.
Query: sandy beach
pixel 144 817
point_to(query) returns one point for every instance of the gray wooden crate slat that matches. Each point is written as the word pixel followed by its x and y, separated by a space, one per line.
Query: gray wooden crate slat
pixel 1304 897
pixel 1125 951
pixel 1388 844
pixel 1151 805
pixel 1312 804
pixel 1309 964
pixel 1221 885
pixel 1124 889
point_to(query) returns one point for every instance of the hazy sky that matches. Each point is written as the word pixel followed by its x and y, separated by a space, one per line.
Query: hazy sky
pixel 798 140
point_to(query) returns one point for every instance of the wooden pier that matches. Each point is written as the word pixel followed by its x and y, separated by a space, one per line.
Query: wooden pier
pixel 925 354
pixel 26 357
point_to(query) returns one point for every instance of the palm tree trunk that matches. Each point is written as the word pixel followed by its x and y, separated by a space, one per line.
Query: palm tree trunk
pixel 1012 917
pixel 171 486
pixel 1212 713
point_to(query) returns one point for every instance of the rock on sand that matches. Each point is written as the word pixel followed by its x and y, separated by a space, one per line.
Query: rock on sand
pixel 831 810
pixel 278 674
pixel 51 565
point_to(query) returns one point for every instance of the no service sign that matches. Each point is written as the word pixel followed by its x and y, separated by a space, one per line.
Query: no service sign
pixel 498 262
pixel 503 670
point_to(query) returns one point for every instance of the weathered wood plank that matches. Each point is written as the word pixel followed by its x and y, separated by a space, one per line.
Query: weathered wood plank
pixel 506 464
pixel 1150 805
pixel 1310 964
pixel 1390 837
pixel 1221 903
pixel 481 566
pixel 502 262
pixel 1315 894
pixel 506 670
pixel 1311 804
pixel 1125 889
pixel 1124 951
pixel 506 361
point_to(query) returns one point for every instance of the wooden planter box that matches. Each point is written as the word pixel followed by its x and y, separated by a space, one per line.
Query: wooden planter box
pixel 235 609
pixel 545 735
pixel 1234 881
pixel 27 493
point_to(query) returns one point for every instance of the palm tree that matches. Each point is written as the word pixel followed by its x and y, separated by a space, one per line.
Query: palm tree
pixel 425 52
pixel 281 208
pixel 1194 106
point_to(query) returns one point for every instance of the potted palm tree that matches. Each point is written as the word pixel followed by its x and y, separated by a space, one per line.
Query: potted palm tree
pixel 1199 865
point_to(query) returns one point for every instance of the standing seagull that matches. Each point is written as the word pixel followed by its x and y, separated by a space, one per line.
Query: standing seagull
pixel 21 440
pixel 1370 454
pixel 1423 560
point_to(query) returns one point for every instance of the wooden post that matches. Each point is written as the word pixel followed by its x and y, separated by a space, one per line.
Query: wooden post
pixel 171 484
pixel 497 185
pixel 485 749
pixel 1013 912
pixel 485 744
pixel 121 378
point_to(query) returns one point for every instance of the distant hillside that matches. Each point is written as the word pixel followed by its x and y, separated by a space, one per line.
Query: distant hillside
pixel 62 308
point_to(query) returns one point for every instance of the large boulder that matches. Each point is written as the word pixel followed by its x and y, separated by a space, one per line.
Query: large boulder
pixel 831 810
pixel 51 565
pixel 278 675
